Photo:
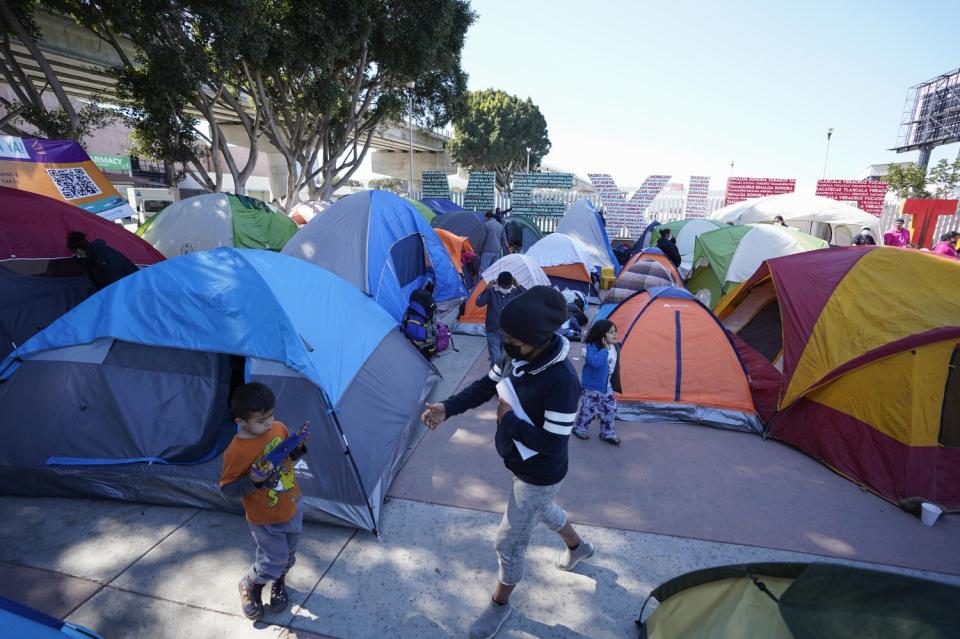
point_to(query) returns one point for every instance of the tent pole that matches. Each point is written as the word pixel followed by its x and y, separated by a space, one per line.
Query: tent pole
pixel 356 471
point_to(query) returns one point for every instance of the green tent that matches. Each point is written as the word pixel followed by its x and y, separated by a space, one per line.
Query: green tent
pixel 730 255
pixel 521 232
pixel 801 601
pixel 213 220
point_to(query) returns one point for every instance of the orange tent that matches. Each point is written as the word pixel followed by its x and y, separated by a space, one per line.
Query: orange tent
pixel 678 363
pixel 456 246
pixel 656 255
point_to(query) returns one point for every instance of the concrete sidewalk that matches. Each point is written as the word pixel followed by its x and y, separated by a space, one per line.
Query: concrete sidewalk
pixel 128 570
pixel 132 570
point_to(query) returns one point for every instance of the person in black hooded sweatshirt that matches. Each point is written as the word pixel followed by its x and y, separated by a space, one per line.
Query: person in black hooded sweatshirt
pixel 531 437
pixel 668 245
pixel 104 264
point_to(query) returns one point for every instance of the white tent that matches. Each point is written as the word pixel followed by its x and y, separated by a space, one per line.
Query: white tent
pixel 559 249
pixel 524 269
pixel 582 222
pixel 823 217
pixel 567 262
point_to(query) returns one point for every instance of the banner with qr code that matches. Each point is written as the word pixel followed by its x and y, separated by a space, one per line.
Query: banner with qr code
pixel 62 170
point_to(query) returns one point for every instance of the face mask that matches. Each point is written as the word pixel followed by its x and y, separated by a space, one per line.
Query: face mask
pixel 513 350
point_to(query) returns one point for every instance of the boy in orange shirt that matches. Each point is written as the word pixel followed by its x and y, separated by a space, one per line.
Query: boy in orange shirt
pixel 272 508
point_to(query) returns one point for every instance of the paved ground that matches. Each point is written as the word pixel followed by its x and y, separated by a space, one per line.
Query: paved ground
pixel 689 481
pixel 131 570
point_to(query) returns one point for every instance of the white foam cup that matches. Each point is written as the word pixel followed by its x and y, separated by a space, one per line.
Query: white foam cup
pixel 929 513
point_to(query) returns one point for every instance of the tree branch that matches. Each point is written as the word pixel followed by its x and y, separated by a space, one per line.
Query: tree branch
pixel 44 65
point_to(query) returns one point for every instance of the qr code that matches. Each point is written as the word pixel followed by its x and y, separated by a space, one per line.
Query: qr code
pixel 73 183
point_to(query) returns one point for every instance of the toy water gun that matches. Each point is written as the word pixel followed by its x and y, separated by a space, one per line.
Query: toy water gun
pixel 267 467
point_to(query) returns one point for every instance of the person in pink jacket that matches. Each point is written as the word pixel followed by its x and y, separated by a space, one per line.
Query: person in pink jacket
pixel 897 236
pixel 946 245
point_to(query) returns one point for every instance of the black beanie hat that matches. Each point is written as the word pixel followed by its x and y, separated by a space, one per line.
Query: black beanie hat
pixel 534 315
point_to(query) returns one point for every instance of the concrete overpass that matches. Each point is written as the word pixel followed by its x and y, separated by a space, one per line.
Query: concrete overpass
pixel 80 60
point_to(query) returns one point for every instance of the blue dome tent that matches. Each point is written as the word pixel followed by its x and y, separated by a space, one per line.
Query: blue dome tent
pixel 126 395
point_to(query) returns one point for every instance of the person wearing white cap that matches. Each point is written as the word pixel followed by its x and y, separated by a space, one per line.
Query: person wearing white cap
pixel 864 238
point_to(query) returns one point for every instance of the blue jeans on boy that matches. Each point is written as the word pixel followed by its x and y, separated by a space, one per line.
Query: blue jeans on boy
pixel 494 346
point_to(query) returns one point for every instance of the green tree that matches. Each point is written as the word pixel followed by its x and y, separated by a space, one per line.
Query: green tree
pixel 494 132
pixel 315 78
pixel 907 180
pixel 178 78
pixel 912 180
pixel 945 178
pixel 328 78
pixel 61 120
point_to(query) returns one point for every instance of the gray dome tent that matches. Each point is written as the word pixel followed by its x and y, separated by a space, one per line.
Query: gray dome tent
pixel 468 224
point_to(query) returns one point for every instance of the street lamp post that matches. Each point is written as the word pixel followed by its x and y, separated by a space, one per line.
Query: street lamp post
pixel 410 85
pixel 827 155
pixel 528 159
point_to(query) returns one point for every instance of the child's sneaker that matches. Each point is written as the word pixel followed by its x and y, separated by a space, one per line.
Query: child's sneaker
pixel 250 598
pixel 490 620
pixel 570 558
pixel 278 596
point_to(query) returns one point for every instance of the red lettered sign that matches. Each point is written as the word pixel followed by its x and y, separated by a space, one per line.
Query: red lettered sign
pixel 743 188
pixel 868 195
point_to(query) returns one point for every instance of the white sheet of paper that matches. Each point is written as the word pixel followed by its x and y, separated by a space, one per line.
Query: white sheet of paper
pixel 507 393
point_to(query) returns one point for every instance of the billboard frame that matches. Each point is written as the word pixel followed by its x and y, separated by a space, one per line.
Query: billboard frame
pixel 942 119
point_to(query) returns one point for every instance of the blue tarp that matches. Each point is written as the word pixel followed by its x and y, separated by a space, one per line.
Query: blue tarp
pixel 239 301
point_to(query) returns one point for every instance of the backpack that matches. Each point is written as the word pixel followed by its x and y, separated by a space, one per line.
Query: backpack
pixel 444 338
pixel 419 324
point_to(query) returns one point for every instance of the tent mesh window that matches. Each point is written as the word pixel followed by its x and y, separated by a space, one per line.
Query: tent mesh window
pixel 765 331
pixel 950 415
pixel 409 259
pixel 157 426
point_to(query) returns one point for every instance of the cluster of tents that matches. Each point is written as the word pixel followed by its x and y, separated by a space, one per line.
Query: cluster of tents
pixel 847 353
pixel 231 290
pixel 126 390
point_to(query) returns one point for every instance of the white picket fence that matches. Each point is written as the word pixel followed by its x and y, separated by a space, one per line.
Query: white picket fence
pixel 668 207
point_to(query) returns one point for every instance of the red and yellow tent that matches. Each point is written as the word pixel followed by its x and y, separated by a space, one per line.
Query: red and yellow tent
pixel 867 340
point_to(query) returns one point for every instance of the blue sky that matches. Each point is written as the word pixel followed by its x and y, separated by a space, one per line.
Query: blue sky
pixel 637 88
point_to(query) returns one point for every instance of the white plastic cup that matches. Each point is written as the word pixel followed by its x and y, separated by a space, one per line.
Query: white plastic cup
pixel 929 513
